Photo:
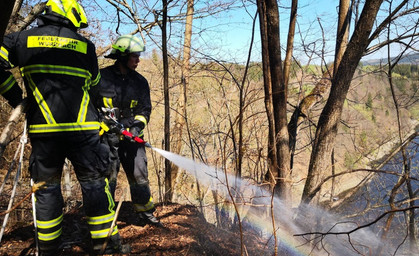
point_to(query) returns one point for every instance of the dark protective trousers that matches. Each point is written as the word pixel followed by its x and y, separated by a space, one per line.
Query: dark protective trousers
pixel 133 158
pixel 90 159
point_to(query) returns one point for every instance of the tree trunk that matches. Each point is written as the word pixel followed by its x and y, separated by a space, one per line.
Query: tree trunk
pixel 182 115
pixel 343 31
pixel 321 88
pixel 242 101
pixel 272 159
pixel 279 99
pixel 301 112
pixel 290 41
pixel 331 114
pixel 168 173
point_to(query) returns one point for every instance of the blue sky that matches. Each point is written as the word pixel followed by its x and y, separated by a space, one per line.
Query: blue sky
pixel 317 24
pixel 226 36
pixel 235 28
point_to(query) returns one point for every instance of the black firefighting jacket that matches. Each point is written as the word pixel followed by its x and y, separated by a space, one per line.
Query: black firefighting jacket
pixel 58 66
pixel 129 93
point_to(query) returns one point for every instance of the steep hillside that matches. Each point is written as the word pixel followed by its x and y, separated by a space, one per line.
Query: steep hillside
pixel 368 129
pixel 407 59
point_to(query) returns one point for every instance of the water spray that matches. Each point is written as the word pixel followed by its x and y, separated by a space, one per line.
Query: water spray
pixel 217 180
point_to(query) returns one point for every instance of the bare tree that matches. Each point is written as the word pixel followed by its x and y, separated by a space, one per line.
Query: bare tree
pixel 330 117
pixel 323 85
pixel 270 13
pixel 181 113
pixel 331 114
pixel 24 15
pixel 168 174
pixel 406 171
pixel 290 41
pixel 267 85
pixel 319 236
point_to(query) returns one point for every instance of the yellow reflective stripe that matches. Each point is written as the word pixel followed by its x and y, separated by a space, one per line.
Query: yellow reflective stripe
pixel 104 127
pixel 141 119
pixel 43 106
pixel 52 125
pixel 57 42
pixel 107 102
pixel 83 106
pixel 111 202
pixel 57 69
pixel 103 233
pixel 64 127
pixel 6 85
pixel 96 80
pixel 4 53
pixel 49 223
pixel 146 207
pixel 133 104
pixel 97 220
pixel 49 236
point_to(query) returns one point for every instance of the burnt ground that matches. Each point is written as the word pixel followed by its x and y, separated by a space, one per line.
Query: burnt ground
pixel 185 232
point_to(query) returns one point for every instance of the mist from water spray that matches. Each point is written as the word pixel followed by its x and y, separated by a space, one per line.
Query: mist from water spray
pixel 360 242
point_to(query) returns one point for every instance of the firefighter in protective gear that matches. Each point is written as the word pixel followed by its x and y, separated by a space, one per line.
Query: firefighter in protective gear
pixel 59 66
pixel 124 89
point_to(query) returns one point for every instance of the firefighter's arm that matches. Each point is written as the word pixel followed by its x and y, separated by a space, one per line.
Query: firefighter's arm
pixel 94 66
pixel 142 110
pixel 137 128
pixel 9 87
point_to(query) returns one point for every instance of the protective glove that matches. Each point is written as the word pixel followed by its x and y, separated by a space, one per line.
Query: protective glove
pixel 136 131
pixel 127 121
pixel 138 124
pixel 138 128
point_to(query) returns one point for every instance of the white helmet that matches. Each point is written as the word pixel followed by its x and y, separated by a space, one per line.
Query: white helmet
pixel 126 45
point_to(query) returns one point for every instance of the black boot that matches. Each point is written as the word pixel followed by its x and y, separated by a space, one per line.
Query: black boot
pixel 121 249
pixel 50 248
pixel 148 218
pixel 113 246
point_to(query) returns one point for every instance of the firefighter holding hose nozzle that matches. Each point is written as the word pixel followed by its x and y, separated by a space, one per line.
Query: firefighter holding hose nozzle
pixel 124 94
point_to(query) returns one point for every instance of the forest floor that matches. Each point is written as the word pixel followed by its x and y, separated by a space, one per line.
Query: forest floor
pixel 184 232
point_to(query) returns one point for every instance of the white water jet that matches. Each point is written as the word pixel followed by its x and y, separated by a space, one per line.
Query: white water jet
pixel 359 242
